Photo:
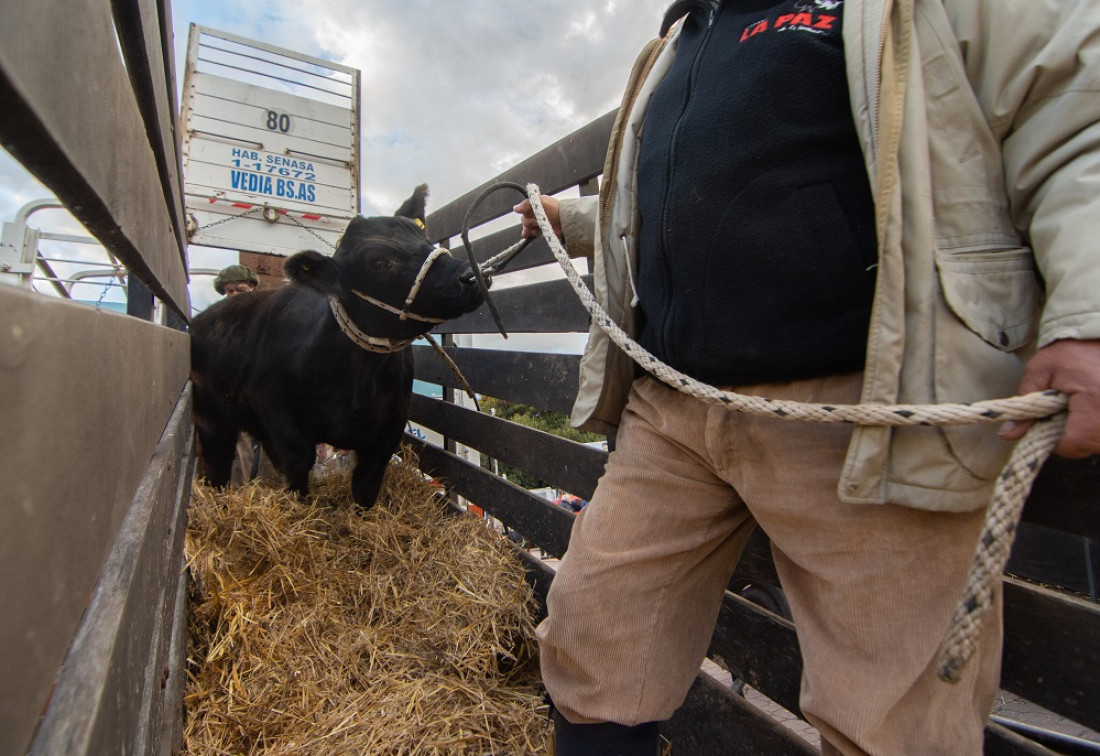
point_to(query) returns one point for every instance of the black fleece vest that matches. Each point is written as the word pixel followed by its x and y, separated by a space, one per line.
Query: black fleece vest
pixel 757 245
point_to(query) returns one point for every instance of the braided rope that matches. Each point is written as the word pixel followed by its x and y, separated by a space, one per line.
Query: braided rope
pixel 488 267
pixel 1009 493
pixel 420 276
pixel 363 340
pixel 402 314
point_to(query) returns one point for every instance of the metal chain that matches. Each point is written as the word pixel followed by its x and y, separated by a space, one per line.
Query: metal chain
pixel 310 231
pixel 245 214
pixel 99 302
pixel 260 208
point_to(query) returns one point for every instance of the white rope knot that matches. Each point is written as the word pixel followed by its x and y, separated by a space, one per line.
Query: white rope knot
pixel 1009 493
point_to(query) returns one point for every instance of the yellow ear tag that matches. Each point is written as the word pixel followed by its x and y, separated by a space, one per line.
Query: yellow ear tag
pixel 419 222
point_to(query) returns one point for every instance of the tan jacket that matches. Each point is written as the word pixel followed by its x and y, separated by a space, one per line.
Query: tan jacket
pixel 980 124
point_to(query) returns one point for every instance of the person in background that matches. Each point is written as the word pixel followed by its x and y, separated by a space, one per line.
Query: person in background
pixel 236 279
pixel 827 201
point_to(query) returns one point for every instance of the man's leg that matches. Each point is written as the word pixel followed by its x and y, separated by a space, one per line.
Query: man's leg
pixel 634 602
pixel 871 588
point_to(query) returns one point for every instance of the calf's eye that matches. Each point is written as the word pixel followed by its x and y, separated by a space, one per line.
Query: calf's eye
pixel 381 265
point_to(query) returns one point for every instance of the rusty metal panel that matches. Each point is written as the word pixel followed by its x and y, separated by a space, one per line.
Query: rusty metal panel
pixel 86 395
pixel 54 123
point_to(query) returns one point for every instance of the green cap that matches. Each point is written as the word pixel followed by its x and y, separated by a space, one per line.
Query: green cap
pixel 233 274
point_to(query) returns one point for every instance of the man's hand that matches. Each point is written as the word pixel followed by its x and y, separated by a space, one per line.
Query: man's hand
pixel 1072 367
pixel 530 225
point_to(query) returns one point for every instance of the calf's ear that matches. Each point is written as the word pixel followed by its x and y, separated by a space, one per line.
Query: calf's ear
pixel 314 270
pixel 416 206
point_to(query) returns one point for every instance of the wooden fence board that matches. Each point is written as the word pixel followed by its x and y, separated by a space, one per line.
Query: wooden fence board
pixel 1052 651
pixel 532 516
pixel 715 721
pixel 548 307
pixel 562 463
pixel 1055 558
pixel 110 695
pixel 141 26
pixel 1064 496
pixel 102 169
pixel 89 393
pixel 533 255
pixel 1000 741
pixel 762 650
pixel 542 380
pixel 759 648
pixel 570 161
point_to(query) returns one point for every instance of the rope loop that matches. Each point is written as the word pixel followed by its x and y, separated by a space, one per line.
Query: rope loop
pixel 495 264
pixel 1009 493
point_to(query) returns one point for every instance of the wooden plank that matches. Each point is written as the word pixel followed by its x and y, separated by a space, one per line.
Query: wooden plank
pixel 542 380
pixel 570 161
pixel 533 255
pixel 759 648
pixel 532 516
pixel 141 29
pixel 1001 741
pixel 715 721
pixel 763 650
pixel 539 576
pixel 54 123
pixel 549 307
pixel 559 461
pixel 164 733
pixel 110 694
pixel 88 395
pixel 756 560
pixel 171 736
pixel 1051 652
pixel 1055 558
pixel 1064 496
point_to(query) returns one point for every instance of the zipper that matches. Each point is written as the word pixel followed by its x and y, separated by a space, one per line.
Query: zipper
pixel 671 163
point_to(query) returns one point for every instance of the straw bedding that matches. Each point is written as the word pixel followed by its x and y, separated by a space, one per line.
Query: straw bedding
pixel 318 630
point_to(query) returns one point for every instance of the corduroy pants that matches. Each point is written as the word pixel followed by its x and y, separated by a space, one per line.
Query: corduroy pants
pixel 871 587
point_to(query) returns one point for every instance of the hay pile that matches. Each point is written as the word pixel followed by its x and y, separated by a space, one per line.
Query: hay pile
pixel 318 630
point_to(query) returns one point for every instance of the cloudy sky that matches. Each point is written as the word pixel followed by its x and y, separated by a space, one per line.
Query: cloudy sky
pixel 453 91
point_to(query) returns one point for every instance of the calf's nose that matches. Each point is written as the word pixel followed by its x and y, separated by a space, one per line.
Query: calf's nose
pixel 469 278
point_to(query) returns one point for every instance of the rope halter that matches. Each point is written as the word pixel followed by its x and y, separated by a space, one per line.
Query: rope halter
pixel 384 345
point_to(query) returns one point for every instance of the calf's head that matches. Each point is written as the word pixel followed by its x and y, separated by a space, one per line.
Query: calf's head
pixel 388 277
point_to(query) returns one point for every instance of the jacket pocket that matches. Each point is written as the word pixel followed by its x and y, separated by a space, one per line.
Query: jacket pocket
pixel 982 336
pixel 995 293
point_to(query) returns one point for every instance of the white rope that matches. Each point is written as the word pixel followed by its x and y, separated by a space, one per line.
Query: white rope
pixel 421 274
pixel 363 340
pixel 1010 491
pixel 401 314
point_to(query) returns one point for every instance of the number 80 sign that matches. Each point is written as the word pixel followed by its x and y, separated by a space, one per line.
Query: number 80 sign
pixel 276 121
